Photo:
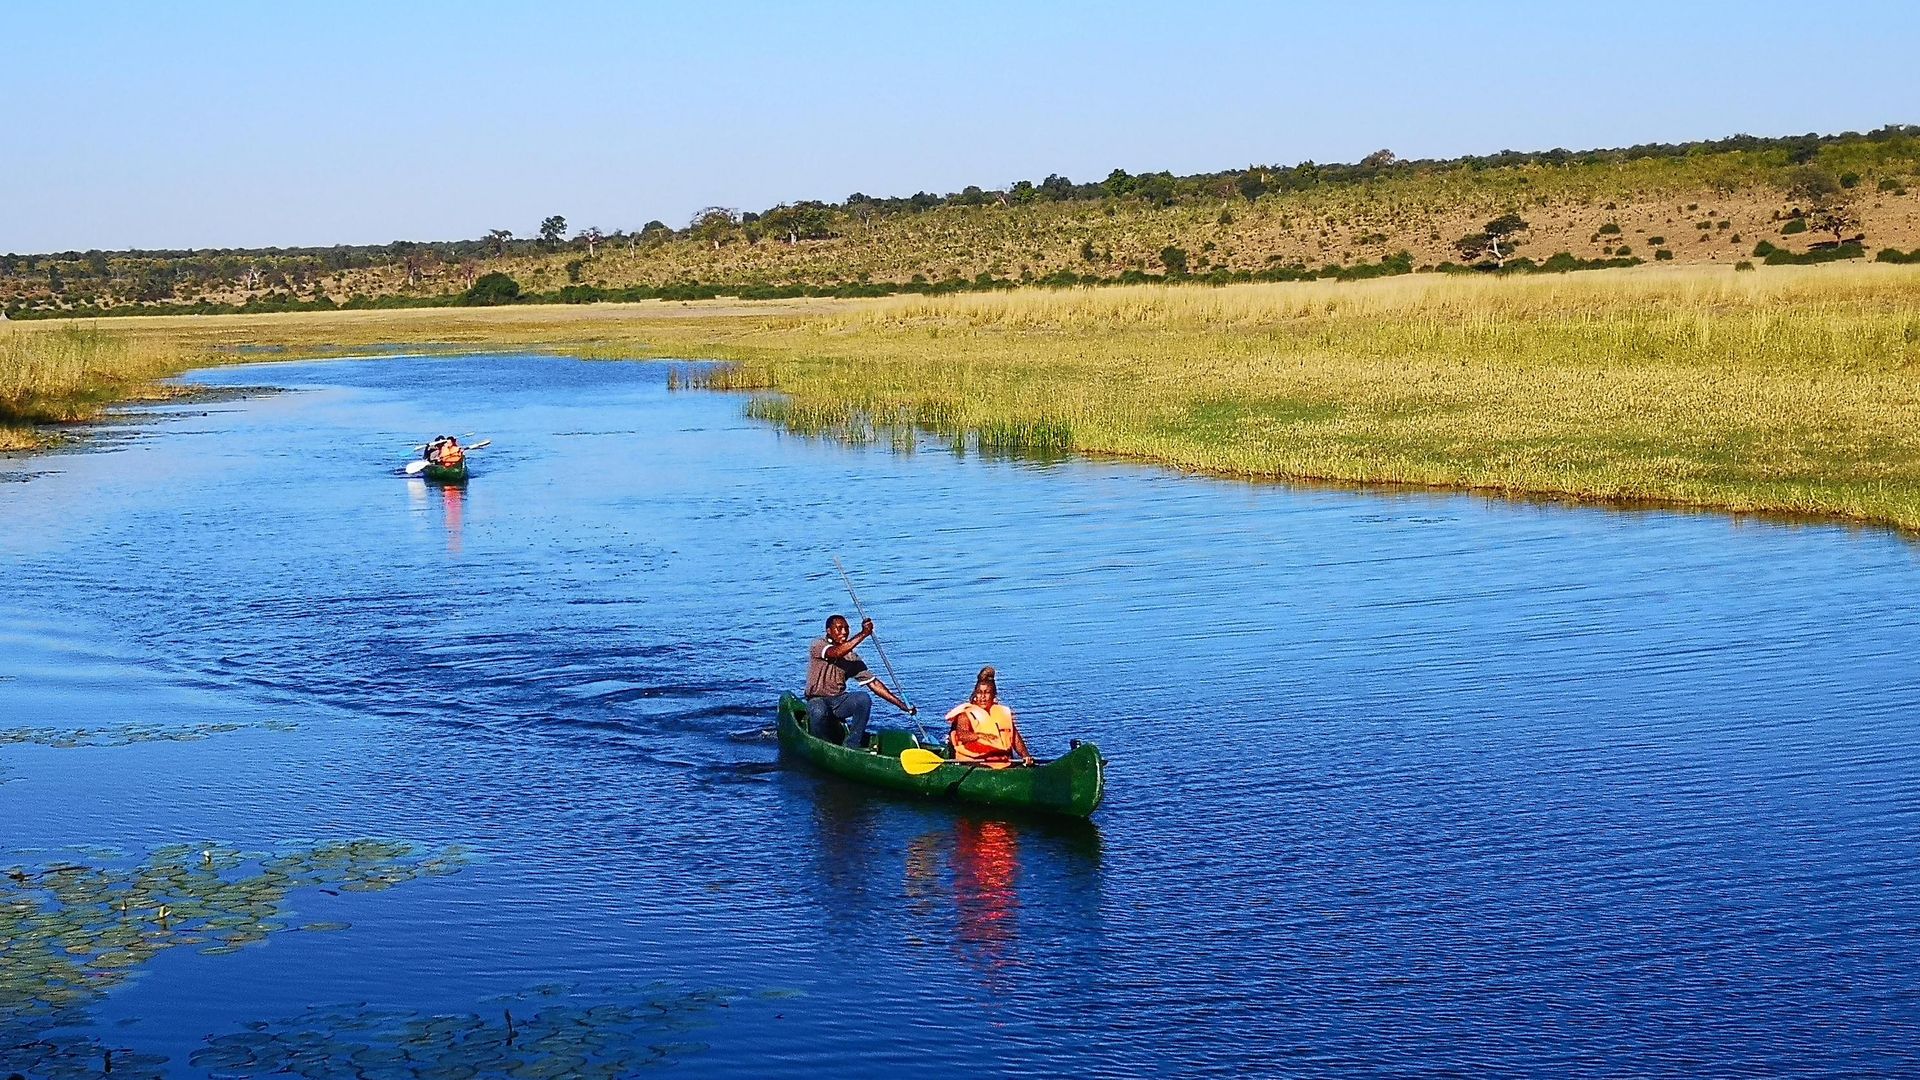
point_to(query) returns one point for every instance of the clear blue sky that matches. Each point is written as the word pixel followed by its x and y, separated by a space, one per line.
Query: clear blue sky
pixel 203 125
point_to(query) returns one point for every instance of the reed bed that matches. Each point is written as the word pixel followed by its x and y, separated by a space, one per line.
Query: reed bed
pixel 1793 390
pixel 61 373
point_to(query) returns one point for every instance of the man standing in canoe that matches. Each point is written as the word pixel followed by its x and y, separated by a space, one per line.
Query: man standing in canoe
pixel 830 663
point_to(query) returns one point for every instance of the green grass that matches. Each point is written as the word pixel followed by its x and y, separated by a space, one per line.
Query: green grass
pixel 1785 391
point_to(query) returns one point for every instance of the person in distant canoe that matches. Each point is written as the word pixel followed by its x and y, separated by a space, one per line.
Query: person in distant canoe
pixel 983 729
pixel 446 452
pixel 831 662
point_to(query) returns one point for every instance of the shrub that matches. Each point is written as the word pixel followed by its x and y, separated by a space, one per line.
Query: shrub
pixel 1794 225
pixel 1622 251
pixel 1703 225
pixel 1174 259
pixel 1723 224
pixel 1389 266
pixel 491 289
pixel 1225 218
pixel 1849 179
pixel 1763 249
pixel 1743 265
pixel 1895 255
pixel 1656 241
pixel 1663 254
pixel 1611 228
pixel 1888 183
pixel 1849 250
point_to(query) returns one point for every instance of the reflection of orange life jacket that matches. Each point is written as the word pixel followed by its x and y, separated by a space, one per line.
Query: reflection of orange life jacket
pixel 990 741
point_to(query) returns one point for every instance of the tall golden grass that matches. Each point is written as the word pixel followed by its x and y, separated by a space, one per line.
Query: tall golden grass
pixel 57 372
pixel 1794 389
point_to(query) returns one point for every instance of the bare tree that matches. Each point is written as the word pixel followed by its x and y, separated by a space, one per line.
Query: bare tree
pixel 592 235
pixel 499 238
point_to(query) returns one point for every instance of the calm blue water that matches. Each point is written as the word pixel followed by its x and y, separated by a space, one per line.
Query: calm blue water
pixel 1400 784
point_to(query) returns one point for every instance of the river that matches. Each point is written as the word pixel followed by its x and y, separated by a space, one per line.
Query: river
pixel 1400 783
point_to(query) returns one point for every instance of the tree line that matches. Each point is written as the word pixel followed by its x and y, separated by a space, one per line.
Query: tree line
pixel 159 276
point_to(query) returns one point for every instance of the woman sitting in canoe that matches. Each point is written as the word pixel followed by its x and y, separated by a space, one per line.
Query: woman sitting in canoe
pixel 983 729
pixel 446 452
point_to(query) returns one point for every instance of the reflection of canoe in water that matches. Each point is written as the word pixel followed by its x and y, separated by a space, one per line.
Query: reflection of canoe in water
pixel 440 474
pixel 1070 784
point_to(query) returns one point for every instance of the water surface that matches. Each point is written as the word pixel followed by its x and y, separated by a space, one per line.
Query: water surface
pixel 1400 784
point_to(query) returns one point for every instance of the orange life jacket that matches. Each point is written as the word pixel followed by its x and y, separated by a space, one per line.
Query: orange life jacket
pixel 991 740
pixel 451 456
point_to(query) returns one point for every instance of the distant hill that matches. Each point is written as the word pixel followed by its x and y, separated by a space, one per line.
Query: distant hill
pixel 1798 198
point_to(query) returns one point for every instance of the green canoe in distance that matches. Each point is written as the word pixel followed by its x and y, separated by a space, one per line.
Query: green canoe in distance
pixel 442 475
pixel 1071 784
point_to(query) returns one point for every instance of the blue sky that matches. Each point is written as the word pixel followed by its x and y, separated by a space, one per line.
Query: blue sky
pixel 204 125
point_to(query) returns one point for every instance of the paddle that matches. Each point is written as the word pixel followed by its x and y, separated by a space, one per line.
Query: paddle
pixel 918 761
pixel 462 435
pixel 892 679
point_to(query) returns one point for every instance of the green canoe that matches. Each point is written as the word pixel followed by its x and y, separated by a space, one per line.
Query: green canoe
pixel 442 475
pixel 1070 784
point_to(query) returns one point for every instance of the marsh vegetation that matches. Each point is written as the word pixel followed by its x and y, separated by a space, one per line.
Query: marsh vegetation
pixel 62 372
pixel 1792 389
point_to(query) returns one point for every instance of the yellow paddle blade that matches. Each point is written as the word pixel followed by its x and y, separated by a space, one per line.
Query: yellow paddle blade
pixel 917 760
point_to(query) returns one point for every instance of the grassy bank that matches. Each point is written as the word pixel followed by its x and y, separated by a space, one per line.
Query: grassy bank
pixel 1785 389
pixel 58 374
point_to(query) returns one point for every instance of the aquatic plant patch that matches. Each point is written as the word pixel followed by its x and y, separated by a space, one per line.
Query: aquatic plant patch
pixel 128 734
pixel 71 931
pixel 554 1031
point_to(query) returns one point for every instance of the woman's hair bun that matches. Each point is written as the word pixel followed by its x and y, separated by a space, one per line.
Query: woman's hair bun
pixel 986 676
